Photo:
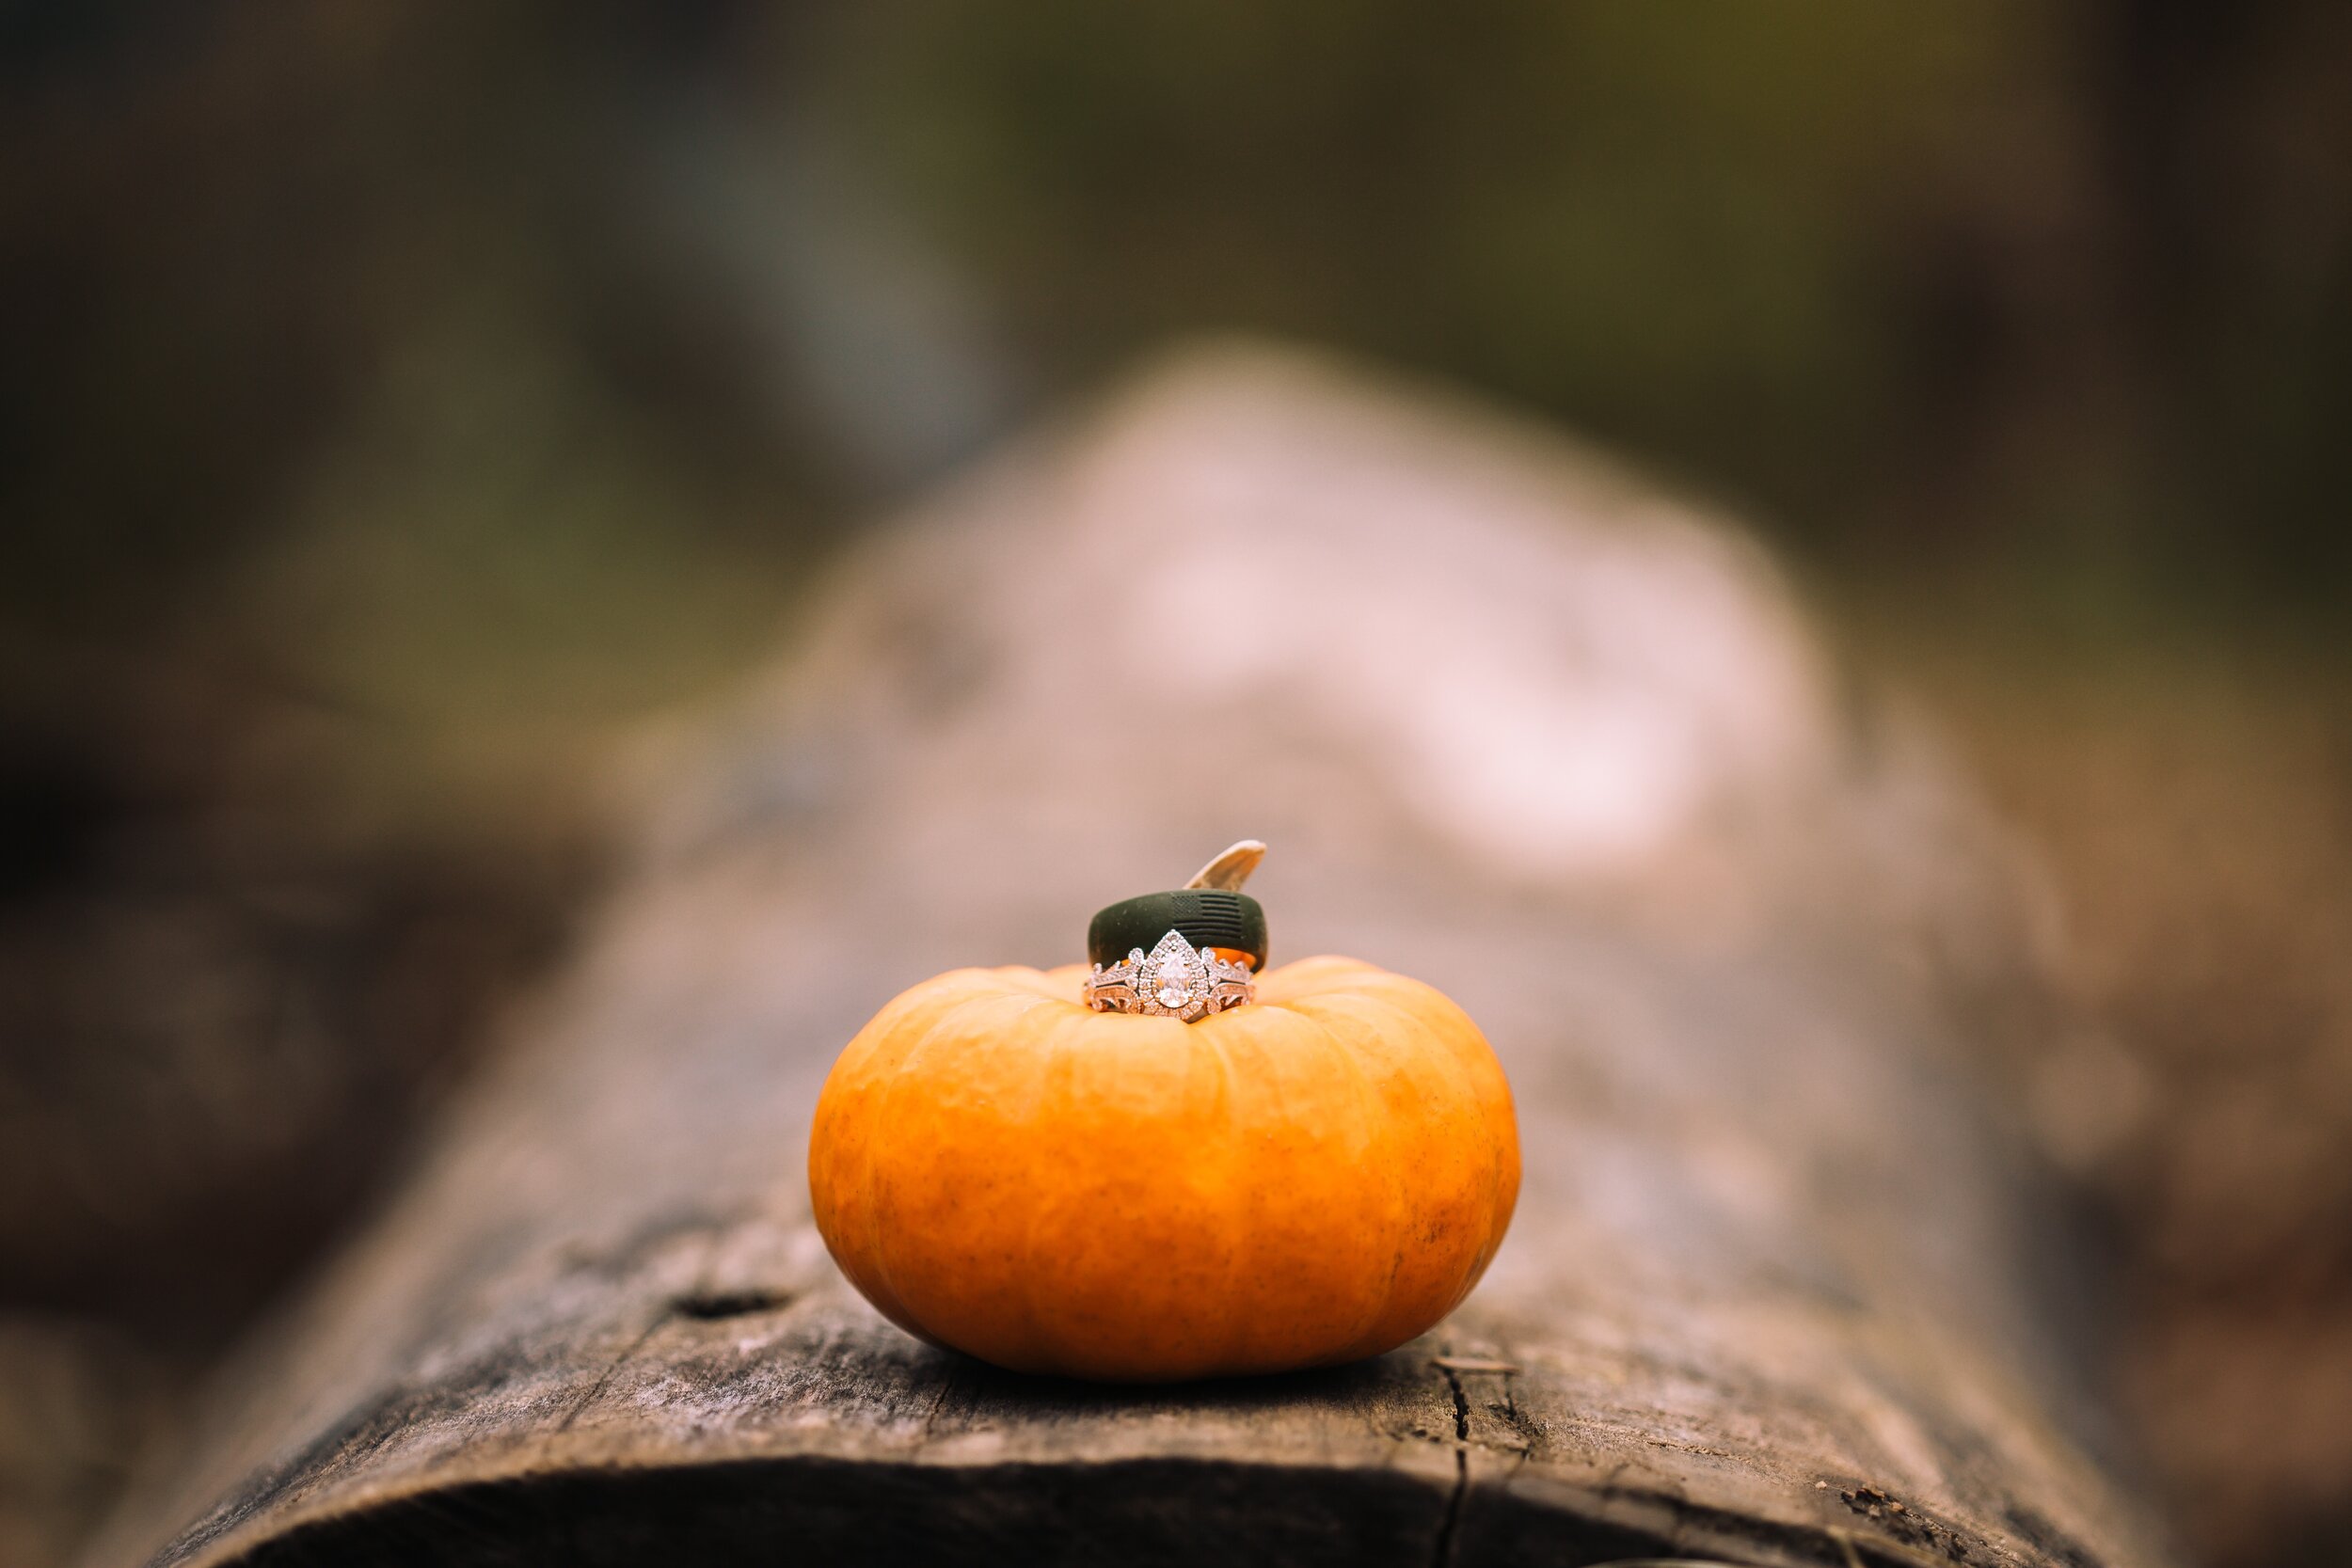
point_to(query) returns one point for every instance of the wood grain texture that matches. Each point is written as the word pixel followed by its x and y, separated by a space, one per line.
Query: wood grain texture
pixel 1778 1290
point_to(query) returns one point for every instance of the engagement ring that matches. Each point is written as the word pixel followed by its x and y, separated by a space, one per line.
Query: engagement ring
pixel 1174 980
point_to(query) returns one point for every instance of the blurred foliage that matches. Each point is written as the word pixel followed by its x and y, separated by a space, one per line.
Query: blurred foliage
pixel 2056 297
pixel 2054 293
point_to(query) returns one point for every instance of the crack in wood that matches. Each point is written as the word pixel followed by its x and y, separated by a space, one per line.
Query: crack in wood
pixel 1442 1552
pixel 605 1377
pixel 939 1402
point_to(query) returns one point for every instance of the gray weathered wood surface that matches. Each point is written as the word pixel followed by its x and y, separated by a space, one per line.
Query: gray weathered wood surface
pixel 1778 1290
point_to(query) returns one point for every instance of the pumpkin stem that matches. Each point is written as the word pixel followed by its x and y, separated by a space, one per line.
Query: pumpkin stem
pixel 1231 868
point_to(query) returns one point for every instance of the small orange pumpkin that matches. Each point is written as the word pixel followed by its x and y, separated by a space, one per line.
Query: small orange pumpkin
pixel 1310 1178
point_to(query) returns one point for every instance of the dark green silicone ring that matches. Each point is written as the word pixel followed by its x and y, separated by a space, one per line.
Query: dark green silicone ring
pixel 1206 917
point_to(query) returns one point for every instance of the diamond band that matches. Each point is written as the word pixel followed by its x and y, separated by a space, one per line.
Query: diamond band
pixel 1174 980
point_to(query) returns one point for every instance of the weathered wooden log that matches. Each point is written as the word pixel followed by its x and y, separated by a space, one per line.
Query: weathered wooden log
pixel 1779 1290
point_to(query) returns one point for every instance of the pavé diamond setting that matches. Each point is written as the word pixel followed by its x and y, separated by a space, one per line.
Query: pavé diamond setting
pixel 1174 980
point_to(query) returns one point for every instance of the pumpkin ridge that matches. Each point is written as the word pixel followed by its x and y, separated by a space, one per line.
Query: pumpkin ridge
pixel 1037 1348
pixel 858 1184
pixel 1466 1096
pixel 1276 1037
pixel 1231 1088
pixel 1381 1126
pixel 879 1251
pixel 1375 1334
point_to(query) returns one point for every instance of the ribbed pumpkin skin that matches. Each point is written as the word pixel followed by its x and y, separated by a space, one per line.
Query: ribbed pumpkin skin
pixel 1312 1178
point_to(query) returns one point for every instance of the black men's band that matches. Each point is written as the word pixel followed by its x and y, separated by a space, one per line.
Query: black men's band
pixel 1205 917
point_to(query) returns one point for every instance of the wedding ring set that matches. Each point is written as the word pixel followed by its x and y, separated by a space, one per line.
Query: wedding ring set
pixel 1207 938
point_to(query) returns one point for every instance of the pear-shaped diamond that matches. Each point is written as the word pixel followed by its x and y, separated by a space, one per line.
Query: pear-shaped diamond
pixel 1172 970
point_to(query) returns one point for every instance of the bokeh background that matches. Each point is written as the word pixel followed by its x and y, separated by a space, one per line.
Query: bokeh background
pixel 400 404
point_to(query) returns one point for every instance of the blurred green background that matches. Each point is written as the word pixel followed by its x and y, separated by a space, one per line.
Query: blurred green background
pixel 399 403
